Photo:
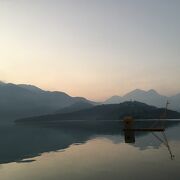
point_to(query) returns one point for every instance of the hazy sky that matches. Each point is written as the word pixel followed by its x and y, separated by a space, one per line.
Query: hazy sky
pixel 91 48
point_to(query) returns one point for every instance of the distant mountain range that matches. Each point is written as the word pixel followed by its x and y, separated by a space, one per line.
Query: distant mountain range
pixel 150 97
pixel 23 100
pixel 135 109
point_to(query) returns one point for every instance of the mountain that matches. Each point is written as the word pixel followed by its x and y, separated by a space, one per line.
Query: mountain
pixel 22 100
pixel 80 105
pixel 18 101
pixel 106 112
pixel 150 97
pixel 30 87
pixel 175 102
pixel 114 100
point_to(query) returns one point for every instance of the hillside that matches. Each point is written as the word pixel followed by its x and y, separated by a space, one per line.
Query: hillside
pixel 18 101
pixel 107 112
pixel 77 106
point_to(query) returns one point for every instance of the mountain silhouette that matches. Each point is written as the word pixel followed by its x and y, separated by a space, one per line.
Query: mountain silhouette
pixel 106 112
pixel 30 87
pixel 150 97
pixel 17 101
pixel 22 100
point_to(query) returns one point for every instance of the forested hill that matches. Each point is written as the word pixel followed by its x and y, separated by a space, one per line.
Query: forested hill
pixel 108 112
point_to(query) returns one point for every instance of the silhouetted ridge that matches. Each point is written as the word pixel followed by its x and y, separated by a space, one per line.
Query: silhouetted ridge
pixel 30 87
pixel 150 97
pixel 108 112
pixel 18 101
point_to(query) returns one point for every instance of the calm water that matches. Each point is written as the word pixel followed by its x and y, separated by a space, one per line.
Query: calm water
pixel 87 151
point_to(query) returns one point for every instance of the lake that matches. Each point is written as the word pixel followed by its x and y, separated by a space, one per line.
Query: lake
pixel 88 151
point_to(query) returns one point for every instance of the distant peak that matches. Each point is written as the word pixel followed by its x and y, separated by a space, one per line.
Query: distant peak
pixel 152 91
pixel 136 91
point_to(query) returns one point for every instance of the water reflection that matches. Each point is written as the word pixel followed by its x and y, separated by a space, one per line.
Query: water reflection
pixel 23 142
pixel 129 137
pixel 157 132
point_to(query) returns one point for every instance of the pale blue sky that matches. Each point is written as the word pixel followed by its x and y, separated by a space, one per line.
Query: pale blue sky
pixel 91 48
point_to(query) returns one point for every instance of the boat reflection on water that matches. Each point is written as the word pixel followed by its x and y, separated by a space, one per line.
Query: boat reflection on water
pixel 157 131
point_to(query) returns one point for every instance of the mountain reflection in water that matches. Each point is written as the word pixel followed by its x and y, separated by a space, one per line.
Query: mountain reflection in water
pixel 22 142
pixel 29 144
